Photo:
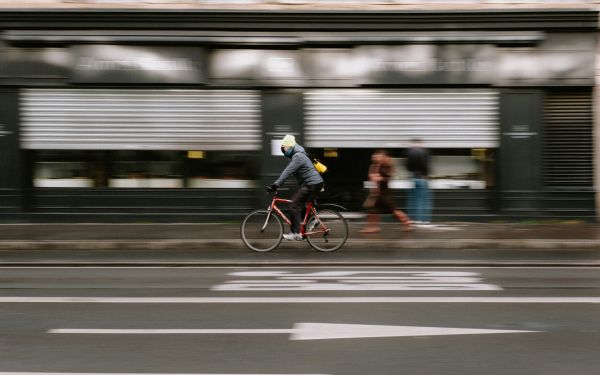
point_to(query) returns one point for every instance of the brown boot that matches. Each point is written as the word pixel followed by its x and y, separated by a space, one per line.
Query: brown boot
pixel 372 225
pixel 404 219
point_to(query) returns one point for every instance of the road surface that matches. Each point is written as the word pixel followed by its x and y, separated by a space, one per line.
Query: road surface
pixel 318 320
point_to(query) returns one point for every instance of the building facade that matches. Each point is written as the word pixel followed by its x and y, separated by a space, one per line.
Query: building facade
pixel 176 114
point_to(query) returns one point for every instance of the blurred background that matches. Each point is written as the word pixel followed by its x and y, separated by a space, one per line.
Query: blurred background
pixel 173 110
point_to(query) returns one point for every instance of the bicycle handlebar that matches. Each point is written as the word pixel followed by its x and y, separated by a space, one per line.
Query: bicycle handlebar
pixel 276 191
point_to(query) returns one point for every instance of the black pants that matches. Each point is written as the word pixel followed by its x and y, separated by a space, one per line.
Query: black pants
pixel 297 207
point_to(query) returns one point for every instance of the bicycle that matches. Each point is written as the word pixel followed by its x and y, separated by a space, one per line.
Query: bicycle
pixel 324 229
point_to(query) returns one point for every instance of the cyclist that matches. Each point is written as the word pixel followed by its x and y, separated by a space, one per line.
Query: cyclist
pixel 309 180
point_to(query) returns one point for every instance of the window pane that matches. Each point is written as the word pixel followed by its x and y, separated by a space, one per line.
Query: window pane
pixel 146 169
pixel 72 169
pixel 222 169
pixel 449 169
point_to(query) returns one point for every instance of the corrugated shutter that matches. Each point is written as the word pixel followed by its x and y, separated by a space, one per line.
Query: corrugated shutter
pixel 117 119
pixel 568 139
pixel 389 118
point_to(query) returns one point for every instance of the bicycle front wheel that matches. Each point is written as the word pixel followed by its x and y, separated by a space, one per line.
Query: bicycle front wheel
pixel 327 231
pixel 261 231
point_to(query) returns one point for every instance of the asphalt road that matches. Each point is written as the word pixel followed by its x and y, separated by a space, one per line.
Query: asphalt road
pixel 319 320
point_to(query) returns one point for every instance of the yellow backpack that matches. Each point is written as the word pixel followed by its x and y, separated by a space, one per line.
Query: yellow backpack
pixel 320 167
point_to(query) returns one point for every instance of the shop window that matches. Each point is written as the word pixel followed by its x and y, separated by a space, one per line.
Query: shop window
pixel 73 169
pixel 145 169
pixel 222 169
pixel 450 169
pixel 453 169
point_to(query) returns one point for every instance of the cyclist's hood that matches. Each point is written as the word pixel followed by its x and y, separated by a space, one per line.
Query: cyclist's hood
pixel 294 150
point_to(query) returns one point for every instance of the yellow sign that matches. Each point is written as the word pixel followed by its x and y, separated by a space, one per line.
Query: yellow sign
pixel 196 154
pixel 330 153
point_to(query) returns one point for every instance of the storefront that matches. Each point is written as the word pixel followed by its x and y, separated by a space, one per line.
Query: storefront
pixel 178 120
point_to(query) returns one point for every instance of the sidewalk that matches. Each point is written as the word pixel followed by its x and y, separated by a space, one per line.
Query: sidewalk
pixel 564 243
pixel 449 235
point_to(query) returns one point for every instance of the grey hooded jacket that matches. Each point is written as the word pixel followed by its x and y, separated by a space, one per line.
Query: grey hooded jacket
pixel 301 167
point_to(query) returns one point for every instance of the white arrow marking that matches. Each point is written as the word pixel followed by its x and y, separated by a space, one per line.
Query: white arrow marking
pixel 307 331
pixel 318 331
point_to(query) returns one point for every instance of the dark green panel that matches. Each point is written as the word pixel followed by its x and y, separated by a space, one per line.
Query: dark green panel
pixel 9 139
pixel 10 157
pixel 569 139
pixel 129 205
pixel 457 204
pixel 307 20
pixel 570 204
pixel 520 150
pixel 282 113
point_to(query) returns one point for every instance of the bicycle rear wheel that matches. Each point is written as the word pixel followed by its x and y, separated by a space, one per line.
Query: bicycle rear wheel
pixel 261 231
pixel 327 231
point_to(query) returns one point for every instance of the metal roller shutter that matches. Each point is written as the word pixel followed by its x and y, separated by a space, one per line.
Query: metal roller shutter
pixel 568 139
pixel 389 118
pixel 118 119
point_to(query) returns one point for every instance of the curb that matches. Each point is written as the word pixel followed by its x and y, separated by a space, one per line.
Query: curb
pixel 359 244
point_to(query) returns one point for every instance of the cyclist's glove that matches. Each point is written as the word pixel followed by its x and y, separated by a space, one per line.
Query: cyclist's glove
pixel 271 188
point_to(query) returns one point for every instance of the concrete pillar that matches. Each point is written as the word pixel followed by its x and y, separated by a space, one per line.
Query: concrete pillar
pixel 596 133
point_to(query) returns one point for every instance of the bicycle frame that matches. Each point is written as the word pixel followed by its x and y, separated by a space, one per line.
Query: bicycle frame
pixel 309 209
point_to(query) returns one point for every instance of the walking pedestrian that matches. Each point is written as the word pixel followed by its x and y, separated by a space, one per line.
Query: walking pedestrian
pixel 380 199
pixel 419 204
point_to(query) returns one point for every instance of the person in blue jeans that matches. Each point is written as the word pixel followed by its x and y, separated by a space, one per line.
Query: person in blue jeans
pixel 419 196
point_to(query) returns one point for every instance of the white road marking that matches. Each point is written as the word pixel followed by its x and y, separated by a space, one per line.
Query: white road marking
pixel 75 267
pixel 320 331
pixel 306 331
pixel 334 274
pixel 152 331
pixel 354 280
pixel 328 300
pixel 123 373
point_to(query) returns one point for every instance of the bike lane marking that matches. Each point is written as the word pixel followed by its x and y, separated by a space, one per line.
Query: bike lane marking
pixel 354 280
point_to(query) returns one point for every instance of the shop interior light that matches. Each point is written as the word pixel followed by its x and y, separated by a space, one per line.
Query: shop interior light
pixel 330 153
pixel 196 154
pixel 479 153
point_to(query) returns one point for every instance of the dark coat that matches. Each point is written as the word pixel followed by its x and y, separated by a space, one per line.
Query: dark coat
pixel 417 162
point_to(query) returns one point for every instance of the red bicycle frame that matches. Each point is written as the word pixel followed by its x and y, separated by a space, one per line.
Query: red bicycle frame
pixel 309 209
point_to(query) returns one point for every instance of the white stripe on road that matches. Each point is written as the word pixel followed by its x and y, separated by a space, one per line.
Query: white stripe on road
pixel 433 266
pixel 305 331
pixel 261 300
pixel 151 331
pixel 126 373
